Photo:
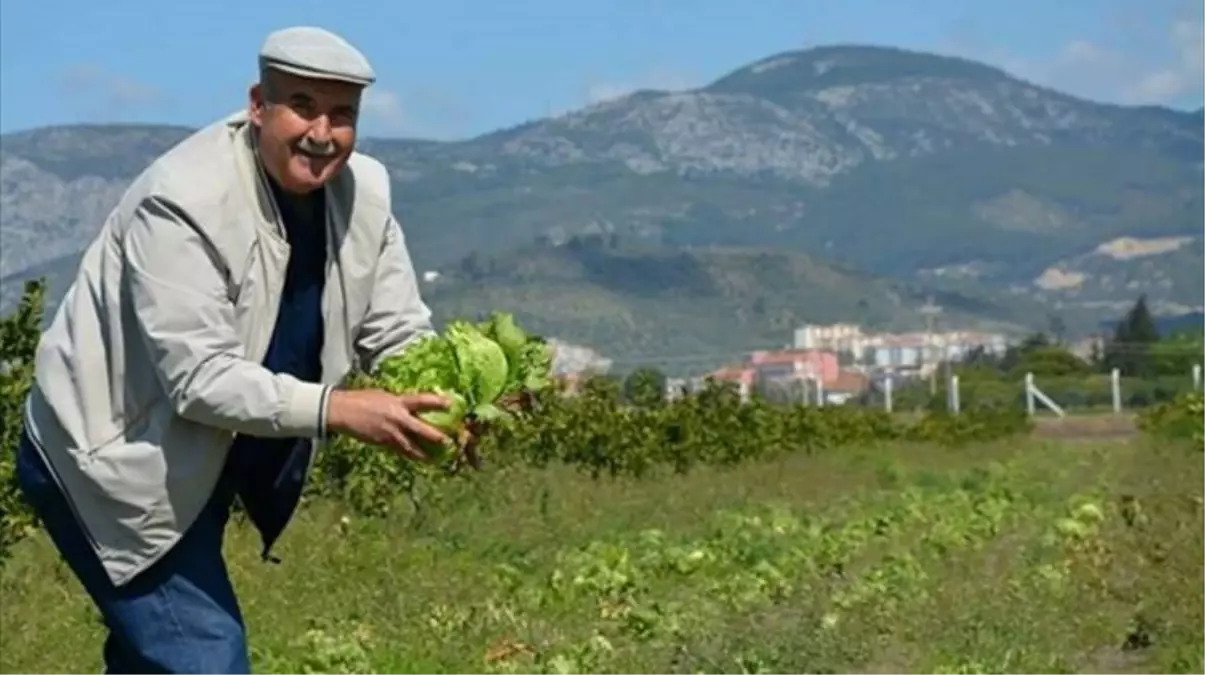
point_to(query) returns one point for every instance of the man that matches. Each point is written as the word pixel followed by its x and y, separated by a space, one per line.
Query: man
pixel 196 355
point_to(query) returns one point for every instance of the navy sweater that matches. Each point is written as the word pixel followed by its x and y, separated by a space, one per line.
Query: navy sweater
pixel 269 472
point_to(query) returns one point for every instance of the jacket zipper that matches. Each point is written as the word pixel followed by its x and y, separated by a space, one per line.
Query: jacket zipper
pixel 274 305
pixel 58 482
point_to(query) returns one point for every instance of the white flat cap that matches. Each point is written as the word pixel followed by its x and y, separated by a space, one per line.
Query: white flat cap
pixel 315 53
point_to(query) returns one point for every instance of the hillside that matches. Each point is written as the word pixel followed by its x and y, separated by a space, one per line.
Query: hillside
pixel 687 308
pixel 892 162
pixel 679 307
pixel 1168 268
pixel 57 185
pixel 58 272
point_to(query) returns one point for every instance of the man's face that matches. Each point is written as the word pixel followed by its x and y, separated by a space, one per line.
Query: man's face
pixel 307 128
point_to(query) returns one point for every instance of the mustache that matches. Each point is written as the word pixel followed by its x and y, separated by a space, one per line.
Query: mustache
pixel 310 147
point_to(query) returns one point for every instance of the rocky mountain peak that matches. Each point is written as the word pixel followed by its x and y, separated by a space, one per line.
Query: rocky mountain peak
pixel 819 68
pixel 810 116
pixel 883 159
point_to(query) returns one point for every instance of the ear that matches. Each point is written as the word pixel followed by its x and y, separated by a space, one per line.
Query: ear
pixel 255 104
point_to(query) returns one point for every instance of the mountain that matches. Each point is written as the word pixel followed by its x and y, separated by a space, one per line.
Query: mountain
pixel 680 308
pixel 935 171
pixel 1190 321
pixel 686 309
pixel 1164 267
pixel 57 185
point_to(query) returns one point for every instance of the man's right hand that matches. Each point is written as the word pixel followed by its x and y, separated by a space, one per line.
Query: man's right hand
pixel 381 418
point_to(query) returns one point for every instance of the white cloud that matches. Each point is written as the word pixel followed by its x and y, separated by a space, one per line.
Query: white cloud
pixel 415 112
pixel 109 93
pixel 383 108
pixel 1182 76
pixel 1164 67
pixel 1085 53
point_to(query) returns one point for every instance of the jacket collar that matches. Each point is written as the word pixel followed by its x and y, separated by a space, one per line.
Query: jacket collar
pixel 251 175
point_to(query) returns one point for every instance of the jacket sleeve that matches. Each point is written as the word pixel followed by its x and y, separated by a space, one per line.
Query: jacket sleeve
pixel 175 284
pixel 396 313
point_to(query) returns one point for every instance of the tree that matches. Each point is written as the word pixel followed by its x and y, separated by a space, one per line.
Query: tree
pixel 1140 325
pixel 19 334
pixel 1096 355
pixel 1178 353
pixel 1051 361
pixel 1013 355
pixel 1058 328
pixel 978 357
pixel 645 387
pixel 1129 350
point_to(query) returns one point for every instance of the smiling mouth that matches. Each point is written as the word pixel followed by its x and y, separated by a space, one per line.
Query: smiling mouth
pixel 307 149
pixel 315 155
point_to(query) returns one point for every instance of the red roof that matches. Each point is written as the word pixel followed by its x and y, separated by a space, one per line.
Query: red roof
pixel 848 382
pixel 733 374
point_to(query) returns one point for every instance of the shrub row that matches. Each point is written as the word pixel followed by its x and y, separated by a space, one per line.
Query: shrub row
pixel 19 333
pixel 1182 418
pixel 600 432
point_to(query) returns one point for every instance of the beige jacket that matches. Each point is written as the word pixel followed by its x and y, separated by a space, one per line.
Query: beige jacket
pixel 151 364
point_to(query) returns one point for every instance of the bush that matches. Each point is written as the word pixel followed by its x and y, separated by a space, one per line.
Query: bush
pixel 1183 417
pixel 971 426
pixel 19 333
pixel 600 433
pixel 645 387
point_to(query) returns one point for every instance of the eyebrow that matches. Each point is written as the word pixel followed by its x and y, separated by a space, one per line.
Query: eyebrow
pixel 303 98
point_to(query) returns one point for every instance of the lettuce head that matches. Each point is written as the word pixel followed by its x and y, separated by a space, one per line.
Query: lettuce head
pixel 483 365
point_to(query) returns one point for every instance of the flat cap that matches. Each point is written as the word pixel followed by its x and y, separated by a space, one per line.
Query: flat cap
pixel 315 53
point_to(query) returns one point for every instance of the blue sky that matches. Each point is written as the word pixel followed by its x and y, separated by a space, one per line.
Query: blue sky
pixel 457 68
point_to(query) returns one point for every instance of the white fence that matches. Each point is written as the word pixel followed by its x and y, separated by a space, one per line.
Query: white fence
pixel 810 391
pixel 1034 395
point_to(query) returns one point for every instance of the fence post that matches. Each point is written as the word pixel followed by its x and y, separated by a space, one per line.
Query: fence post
pixel 1196 376
pixel 1029 403
pixel 1032 392
pixel 887 393
pixel 955 403
pixel 819 392
pixel 1115 380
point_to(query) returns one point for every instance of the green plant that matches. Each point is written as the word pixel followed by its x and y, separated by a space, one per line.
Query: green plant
pixel 602 434
pixel 19 334
pixel 1183 417
pixel 645 387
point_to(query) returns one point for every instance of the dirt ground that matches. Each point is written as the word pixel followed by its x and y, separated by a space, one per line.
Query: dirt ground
pixel 1088 427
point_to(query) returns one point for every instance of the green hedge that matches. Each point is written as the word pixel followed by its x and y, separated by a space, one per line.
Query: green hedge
pixel 19 333
pixel 600 432
pixel 1183 418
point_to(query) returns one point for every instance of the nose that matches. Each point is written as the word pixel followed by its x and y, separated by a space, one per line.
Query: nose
pixel 320 130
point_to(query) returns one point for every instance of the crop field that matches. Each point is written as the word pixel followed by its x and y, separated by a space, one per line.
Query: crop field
pixel 1026 554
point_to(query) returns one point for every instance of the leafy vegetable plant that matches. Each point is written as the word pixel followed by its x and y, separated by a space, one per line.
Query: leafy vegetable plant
pixel 487 370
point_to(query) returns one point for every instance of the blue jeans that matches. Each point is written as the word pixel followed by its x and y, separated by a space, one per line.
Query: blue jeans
pixel 178 616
